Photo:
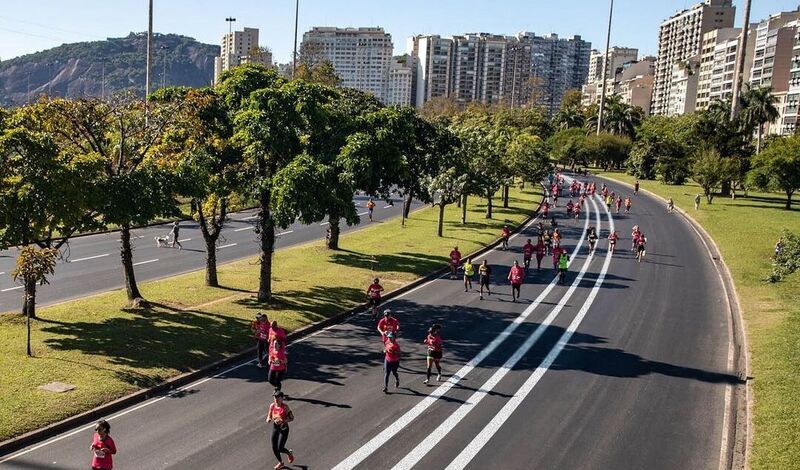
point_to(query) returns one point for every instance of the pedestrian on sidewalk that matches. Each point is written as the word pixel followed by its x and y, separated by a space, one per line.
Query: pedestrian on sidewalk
pixel 175 232
pixel 280 415
pixel 697 202
pixel 391 362
pixel 103 447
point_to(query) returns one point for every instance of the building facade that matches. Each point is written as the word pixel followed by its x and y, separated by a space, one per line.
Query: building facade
pixel 635 83
pixel 399 83
pixel 617 58
pixel 361 57
pixel 557 66
pixel 788 107
pixel 680 39
pixel 239 47
pixel 433 63
pixel 718 66
pixel 683 87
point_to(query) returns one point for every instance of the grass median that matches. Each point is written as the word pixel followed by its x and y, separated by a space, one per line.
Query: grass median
pixel 107 351
pixel 746 229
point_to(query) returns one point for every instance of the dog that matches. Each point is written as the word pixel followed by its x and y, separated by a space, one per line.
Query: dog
pixel 161 242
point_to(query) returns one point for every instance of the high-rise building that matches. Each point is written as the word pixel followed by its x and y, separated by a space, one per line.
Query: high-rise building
pixel 683 87
pixel 788 107
pixel 239 47
pixel 478 68
pixel 718 66
pixel 557 65
pixel 680 39
pixel 635 83
pixel 433 57
pixel 399 83
pixel 517 73
pixel 360 56
pixel 617 58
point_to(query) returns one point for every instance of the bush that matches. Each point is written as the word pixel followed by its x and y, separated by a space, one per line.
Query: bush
pixel 787 261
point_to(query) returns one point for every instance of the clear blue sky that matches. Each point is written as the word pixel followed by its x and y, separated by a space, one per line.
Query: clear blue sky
pixel 32 25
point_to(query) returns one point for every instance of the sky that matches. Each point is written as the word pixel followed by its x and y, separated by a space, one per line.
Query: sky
pixel 34 25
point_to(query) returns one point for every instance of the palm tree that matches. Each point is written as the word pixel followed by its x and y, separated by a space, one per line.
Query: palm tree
pixel 621 118
pixel 758 109
pixel 569 117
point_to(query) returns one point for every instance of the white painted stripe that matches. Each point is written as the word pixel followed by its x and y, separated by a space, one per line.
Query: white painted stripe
pixel 398 425
pixel 87 258
pixel 184 240
pixel 2 273
pixel 252 217
pixel 284 233
pixel 324 223
pixel 386 207
pixel 145 262
pixel 11 288
pixel 363 213
pixel 429 442
pixel 483 437
pixel 227 246
pixel 243 229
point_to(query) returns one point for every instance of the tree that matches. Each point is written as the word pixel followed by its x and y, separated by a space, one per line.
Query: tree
pixel 46 193
pixel 710 169
pixel 663 148
pixel 136 186
pixel 446 187
pixel 33 267
pixel 759 108
pixel 528 159
pixel 621 118
pixel 787 260
pixel 566 146
pixel 606 150
pixel 483 150
pixel 778 167
pixel 321 72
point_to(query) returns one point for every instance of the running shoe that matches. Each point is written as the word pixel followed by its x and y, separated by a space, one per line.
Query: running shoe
pixel 291 456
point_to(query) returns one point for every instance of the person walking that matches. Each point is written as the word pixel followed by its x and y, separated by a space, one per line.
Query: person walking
pixel 455 261
pixel 391 361
pixel 541 251
pixel 434 342
pixel 485 275
pixel 261 330
pixel 506 233
pixel 103 447
pixel 515 276
pixel 670 206
pixel 277 363
pixel 563 264
pixel 527 253
pixel 280 416
pixel 469 272
pixel 697 202
pixel 175 232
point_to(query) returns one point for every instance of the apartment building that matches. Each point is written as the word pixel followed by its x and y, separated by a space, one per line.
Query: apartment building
pixel 517 74
pixel 680 39
pixel 432 64
pixel 617 57
pixel 557 66
pixel 635 83
pixel 718 66
pixel 683 87
pixel 788 106
pixel 401 72
pixel 361 57
pixel 239 47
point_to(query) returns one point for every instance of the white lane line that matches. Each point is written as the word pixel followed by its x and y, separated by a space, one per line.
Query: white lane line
pixel 252 217
pixel 284 233
pixel 11 288
pixel 324 223
pixel 363 213
pixel 145 262
pixel 243 229
pixel 185 240
pixel 429 442
pixel 386 207
pixel 2 273
pixel 87 258
pixel 398 425
pixel 227 246
pixel 482 438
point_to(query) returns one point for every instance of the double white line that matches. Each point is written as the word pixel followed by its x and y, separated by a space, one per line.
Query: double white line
pixel 384 436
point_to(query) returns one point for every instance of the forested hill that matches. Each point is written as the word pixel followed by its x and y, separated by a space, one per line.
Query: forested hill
pixel 77 69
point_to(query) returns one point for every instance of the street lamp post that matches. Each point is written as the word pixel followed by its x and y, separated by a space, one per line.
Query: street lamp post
pixel 149 50
pixel 737 78
pixel 601 110
pixel 296 16
pixel 164 49
pixel 230 21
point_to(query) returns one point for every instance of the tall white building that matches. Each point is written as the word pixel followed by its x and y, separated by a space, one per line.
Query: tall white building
pixel 239 47
pixel 788 108
pixel 680 39
pixel 718 66
pixel 399 83
pixel 361 57
pixel 617 58
pixel 683 87
pixel 433 61
pixel 635 83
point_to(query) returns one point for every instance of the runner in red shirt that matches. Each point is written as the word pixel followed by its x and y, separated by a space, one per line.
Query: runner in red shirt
pixel 374 296
pixel 277 363
pixel 612 241
pixel 388 324
pixel 516 275
pixel 280 415
pixel 506 234
pixel 103 447
pixel 527 253
pixel 434 342
pixel 455 261
pixel 261 333
pixel 556 253
pixel 545 210
pixel 277 333
pixel 570 206
pixel 391 361
pixel 541 250
pixel 618 203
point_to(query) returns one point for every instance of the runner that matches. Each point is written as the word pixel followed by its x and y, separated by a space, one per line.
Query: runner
pixel 374 296
pixel 548 242
pixel 260 329
pixel 280 415
pixel 553 222
pixel 670 206
pixel 277 364
pixel 627 204
pixel 175 232
pixel 556 237
pixel 563 264
pixel 516 275
pixel 103 447
pixel 641 247
pixel 635 234
pixel 485 275
pixel 591 237
pixel 527 253
pixel 469 272
pixel 619 203
pixel 612 241
pixel 636 188
pixel 388 324
pixel 276 332
pixel 455 260
pixel 434 342
pixel 609 201
pixel 391 361
pixel 570 205
pixel 577 211
pixel 507 233
pixel 555 198
pixel 370 208
pixel 541 251
pixel 556 254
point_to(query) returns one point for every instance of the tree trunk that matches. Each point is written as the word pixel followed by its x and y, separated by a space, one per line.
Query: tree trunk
pixel 464 209
pixel 440 223
pixel 488 204
pixel 407 204
pixel 759 136
pixel 726 188
pixel 267 235
pixel 505 196
pixel 29 299
pixel 30 313
pixel 126 253
pixel 522 184
pixel 211 263
pixel 789 200
pixel 333 239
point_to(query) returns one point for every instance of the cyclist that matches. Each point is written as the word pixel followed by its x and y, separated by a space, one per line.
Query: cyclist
pixel 388 324
pixel 434 342
pixel 591 237
pixel 280 415
pixel 612 241
pixel 391 361
pixel 374 296
pixel 563 264
pixel 469 272
pixel 541 251
pixel 370 208
pixel 527 253
pixel 507 233
pixel 455 260
pixel 485 275
pixel 516 275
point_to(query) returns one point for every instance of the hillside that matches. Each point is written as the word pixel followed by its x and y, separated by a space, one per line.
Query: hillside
pixel 78 69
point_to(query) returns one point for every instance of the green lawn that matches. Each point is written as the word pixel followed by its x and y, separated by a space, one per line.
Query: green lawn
pixel 746 230
pixel 107 351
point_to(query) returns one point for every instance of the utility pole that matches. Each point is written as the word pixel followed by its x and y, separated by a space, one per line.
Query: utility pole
pixel 601 111
pixel 296 16
pixel 164 48
pixel 740 53
pixel 149 57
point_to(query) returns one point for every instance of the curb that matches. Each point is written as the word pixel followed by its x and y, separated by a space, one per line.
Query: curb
pixel 82 419
pixel 739 435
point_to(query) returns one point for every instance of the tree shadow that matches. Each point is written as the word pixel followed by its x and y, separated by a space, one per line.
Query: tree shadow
pixel 314 304
pixel 414 263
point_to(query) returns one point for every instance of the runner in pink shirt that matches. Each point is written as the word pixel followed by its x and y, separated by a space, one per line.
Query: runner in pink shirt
pixel 516 275
pixel 455 262
pixel 506 233
pixel 103 447
pixel 277 364
pixel 434 342
pixel 527 253
pixel 391 361
pixel 388 324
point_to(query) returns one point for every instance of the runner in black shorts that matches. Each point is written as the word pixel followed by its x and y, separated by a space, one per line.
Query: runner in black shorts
pixel 485 273
pixel 434 342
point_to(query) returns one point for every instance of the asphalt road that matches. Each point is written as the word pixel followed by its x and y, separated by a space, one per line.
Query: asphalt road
pixel 91 264
pixel 625 367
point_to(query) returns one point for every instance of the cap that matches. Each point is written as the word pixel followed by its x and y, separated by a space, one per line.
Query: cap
pixel 387 312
